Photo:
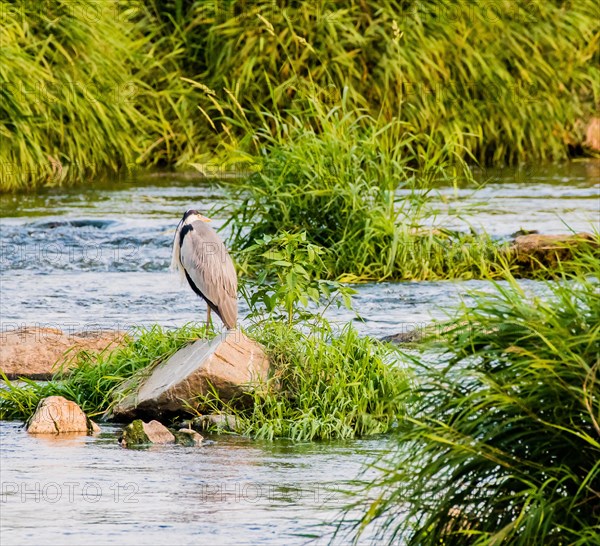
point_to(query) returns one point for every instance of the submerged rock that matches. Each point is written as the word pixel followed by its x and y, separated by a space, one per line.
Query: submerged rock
pixel 534 250
pixel 188 437
pixel 412 336
pixel 35 352
pixel 56 415
pixel 230 364
pixel 139 433
pixel 218 420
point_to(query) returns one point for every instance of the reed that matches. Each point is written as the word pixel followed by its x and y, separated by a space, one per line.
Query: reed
pixel 503 443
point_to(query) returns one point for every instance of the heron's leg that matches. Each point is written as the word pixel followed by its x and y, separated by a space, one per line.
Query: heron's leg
pixel 208 322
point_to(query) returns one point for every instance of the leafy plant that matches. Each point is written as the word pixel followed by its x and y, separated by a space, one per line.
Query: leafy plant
pixel 288 272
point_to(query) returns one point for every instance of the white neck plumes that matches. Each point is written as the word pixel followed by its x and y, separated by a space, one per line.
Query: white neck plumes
pixel 176 264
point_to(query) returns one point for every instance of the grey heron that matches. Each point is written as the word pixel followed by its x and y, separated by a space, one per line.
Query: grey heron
pixel 201 257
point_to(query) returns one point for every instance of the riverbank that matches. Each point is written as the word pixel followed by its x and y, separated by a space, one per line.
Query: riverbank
pixel 173 93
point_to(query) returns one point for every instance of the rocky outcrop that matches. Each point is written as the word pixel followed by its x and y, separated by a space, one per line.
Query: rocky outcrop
pixel 139 433
pixel 230 364
pixel 534 250
pixel 36 352
pixel 57 415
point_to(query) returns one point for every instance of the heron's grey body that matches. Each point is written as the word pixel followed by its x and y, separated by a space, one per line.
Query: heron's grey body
pixel 201 256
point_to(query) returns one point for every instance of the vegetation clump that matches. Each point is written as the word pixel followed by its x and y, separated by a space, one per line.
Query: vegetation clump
pixel 324 385
pixel 503 444
pixel 352 185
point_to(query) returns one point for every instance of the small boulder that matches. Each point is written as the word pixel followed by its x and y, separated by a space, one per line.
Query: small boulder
pixel 57 415
pixel 188 437
pixel 140 433
pixel 231 364
pixel 219 421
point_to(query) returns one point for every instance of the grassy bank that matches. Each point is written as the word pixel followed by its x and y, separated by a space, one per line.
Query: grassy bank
pixel 91 89
pixel 509 80
pixel 503 444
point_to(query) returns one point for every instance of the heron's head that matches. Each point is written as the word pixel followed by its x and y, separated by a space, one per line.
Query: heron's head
pixel 193 215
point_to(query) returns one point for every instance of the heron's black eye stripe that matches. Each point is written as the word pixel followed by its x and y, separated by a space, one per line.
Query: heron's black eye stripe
pixel 184 230
pixel 189 213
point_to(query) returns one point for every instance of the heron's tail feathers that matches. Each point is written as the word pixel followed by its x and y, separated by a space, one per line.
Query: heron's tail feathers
pixel 228 311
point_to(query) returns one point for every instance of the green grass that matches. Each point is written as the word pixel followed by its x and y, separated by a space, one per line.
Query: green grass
pixel 67 109
pixel 503 445
pixel 509 81
pixel 362 193
pixel 95 376
pixel 89 89
pixel 324 386
pixel 333 175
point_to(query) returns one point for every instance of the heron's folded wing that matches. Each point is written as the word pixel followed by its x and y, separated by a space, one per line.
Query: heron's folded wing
pixel 209 265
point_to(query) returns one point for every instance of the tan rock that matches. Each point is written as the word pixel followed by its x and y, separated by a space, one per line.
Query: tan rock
pixel 57 415
pixel 548 250
pixel 230 364
pixel 36 352
pixel 140 433
pixel 157 433
pixel 592 135
pixel 188 437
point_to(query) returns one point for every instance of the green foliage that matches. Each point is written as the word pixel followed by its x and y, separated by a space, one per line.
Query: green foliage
pixel 503 446
pixel 89 88
pixel 334 176
pixel 509 80
pixel 324 386
pixel 288 271
pixel 93 88
pixel 67 109
pixel 94 377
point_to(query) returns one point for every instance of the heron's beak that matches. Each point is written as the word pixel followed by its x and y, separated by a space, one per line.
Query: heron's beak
pixel 204 219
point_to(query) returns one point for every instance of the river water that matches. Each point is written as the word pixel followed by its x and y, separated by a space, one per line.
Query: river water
pixel 97 257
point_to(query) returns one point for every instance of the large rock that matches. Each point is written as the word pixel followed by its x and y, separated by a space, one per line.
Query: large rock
pixel 36 352
pixel 535 249
pixel 230 364
pixel 57 415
